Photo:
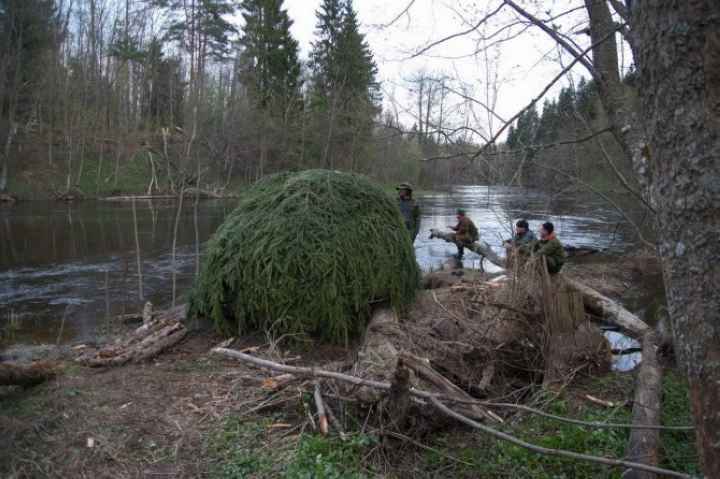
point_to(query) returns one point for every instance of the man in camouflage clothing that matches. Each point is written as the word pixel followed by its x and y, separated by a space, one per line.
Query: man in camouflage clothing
pixel 550 247
pixel 409 209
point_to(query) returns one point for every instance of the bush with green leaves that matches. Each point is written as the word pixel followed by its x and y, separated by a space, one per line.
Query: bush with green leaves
pixel 306 254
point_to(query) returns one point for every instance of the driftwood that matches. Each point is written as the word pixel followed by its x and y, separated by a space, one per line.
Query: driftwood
pixel 26 376
pixel 609 310
pixel 143 343
pixel 188 192
pixel 644 444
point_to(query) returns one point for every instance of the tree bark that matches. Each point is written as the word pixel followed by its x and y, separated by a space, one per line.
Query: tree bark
pixel 678 57
pixel 617 101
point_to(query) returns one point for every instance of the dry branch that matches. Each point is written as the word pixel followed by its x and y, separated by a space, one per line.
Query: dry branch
pixel 553 452
pixel 386 386
pixel 423 369
pixel 320 373
pixel 322 415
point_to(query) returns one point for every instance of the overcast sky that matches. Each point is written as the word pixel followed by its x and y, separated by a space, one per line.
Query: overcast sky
pixel 522 66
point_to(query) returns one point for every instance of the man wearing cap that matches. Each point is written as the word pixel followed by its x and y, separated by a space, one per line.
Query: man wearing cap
pixel 409 209
pixel 466 233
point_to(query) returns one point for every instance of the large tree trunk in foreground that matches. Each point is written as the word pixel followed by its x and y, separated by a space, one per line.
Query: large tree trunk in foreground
pixel 679 70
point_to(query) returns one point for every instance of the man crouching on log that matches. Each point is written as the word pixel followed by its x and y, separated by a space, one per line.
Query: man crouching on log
pixel 466 233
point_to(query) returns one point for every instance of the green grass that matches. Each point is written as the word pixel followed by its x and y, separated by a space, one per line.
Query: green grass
pixel 244 450
pixel 490 458
pixel 43 179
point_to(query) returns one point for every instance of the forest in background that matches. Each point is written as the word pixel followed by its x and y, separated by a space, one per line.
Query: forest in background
pixel 103 97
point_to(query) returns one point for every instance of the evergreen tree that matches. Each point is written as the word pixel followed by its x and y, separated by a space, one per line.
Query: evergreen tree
pixel 586 98
pixel 356 61
pixel 270 54
pixel 549 124
pixel 201 27
pixel 163 88
pixel 525 131
pixel 345 94
pixel 27 30
pixel 325 66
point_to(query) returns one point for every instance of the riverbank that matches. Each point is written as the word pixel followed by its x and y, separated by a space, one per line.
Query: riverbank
pixel 190 414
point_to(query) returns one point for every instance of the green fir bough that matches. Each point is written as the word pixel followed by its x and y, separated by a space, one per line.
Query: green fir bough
pixel 306 253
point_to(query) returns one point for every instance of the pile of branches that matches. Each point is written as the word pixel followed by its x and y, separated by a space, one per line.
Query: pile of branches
pixel 306 254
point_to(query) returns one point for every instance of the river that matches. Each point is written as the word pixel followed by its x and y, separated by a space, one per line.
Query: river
pixel 67 268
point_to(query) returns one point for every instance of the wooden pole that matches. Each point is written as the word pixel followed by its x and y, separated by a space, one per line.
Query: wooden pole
pixel 644 444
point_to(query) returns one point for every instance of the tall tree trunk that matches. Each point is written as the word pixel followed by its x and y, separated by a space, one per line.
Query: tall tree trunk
pixel 616 96
pixel 6 157
pixel 678 54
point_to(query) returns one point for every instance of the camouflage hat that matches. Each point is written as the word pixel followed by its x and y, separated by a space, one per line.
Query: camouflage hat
pixel 461 211
pixel 404 186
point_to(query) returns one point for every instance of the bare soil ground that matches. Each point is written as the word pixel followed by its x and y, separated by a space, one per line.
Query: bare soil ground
pixel 139 420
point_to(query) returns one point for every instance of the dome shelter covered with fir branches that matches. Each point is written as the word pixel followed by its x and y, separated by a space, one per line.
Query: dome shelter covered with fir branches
pixel 306 254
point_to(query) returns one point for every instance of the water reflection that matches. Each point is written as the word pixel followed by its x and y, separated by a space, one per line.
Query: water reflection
pixel 84 256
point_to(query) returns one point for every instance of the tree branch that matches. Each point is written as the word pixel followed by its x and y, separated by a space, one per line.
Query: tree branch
pixel 580 57
pixel 458 34
pixel 554 452
pixel 400 15
pixel 547 88
pixel 621 10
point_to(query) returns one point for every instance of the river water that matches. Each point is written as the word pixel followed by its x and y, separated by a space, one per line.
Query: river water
pixel 67 268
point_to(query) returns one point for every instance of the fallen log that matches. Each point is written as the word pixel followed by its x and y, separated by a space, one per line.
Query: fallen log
pixel 609 310
pixel 158 333
pixel 25 376
pixel 644 444
pixel 479 247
